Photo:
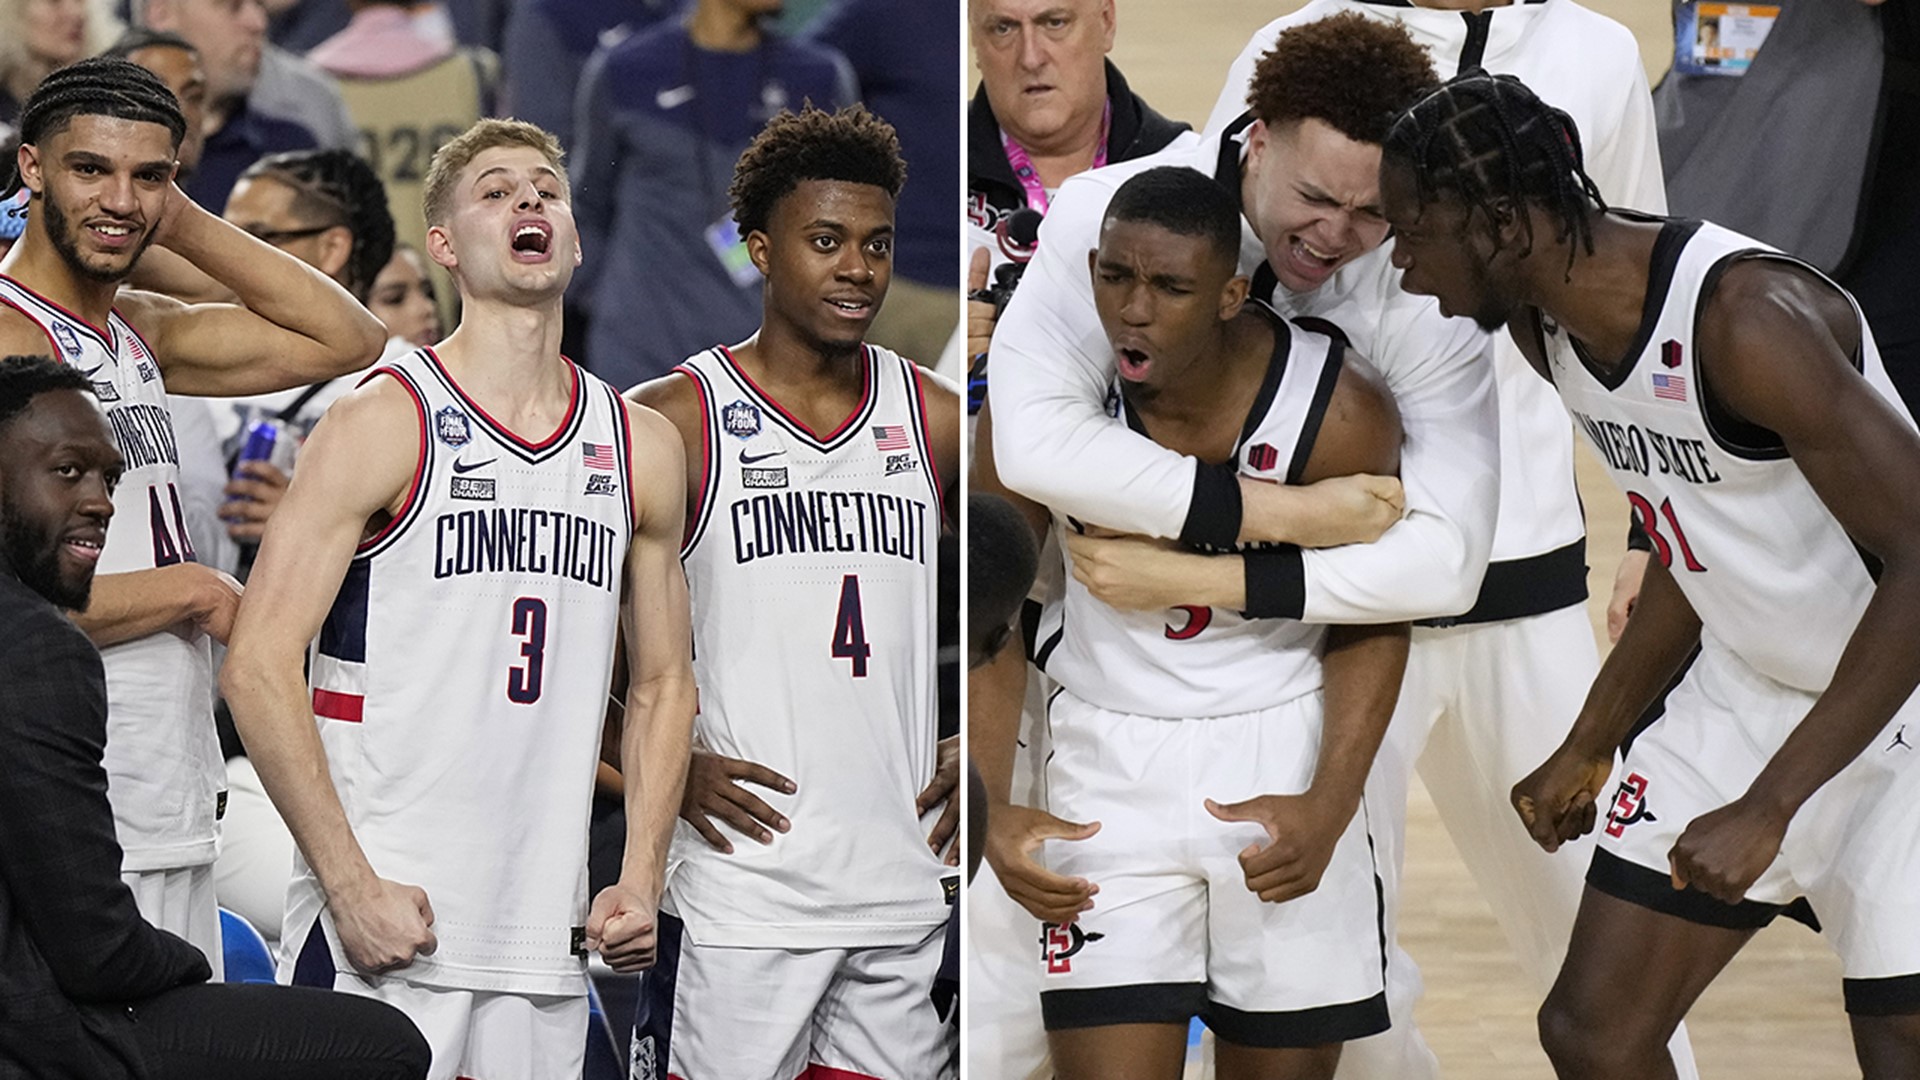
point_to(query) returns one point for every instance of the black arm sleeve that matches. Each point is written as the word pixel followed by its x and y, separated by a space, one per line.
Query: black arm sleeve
pixel 59 860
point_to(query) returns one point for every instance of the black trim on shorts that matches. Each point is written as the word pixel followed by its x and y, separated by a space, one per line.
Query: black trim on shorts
pixel 314 967
pixel 1293 1028
pixel 653 1013
pixel 1654 890
pixel 1139 1003
pixel 1896 995
pixel 1519 588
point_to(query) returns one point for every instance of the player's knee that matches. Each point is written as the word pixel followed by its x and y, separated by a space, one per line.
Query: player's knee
pixel 1582 1043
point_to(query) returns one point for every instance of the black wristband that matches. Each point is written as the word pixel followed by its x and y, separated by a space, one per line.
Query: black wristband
pixel 1276 583
pixel 1637 538
pixel 1213 515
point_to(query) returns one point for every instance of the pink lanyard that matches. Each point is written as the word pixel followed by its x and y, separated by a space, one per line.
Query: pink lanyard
pixel 1029 177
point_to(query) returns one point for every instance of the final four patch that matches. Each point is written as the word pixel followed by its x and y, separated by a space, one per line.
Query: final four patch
pixel 452 427
pixel 742 418
pixel 64 334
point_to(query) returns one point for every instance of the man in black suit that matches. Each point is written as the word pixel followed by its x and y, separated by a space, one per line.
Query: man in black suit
pixel 88 989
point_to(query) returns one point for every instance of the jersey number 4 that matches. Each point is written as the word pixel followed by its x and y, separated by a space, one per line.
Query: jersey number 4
pixel 1643 509
pixel 170 544
pixel 849 629
pixel 529 622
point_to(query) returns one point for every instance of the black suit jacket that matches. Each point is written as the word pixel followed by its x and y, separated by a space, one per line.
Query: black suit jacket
pixel 74 951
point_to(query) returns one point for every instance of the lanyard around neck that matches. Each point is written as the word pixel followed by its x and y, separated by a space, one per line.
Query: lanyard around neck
pixel 1029 177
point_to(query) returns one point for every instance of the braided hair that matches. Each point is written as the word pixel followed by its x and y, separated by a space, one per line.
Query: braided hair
pixel 100 86
pixel 852 145
pixel 336 187
pixel 23 378
pixel 1487 138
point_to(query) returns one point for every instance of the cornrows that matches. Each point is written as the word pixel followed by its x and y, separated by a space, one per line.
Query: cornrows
pixel 100 86
pixel 335 187
pixel 1488 139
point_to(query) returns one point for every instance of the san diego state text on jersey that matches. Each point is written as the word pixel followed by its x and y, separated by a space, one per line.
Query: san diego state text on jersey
pixel 1626 446
pixel 523 540
pixel 798 522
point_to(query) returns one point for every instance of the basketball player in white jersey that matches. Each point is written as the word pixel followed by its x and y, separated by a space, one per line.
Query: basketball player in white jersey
pixel 1736 396
pixel 1215 819
pixel 816 467
pixel 99 140
pixel 464 535
pixel 1490 692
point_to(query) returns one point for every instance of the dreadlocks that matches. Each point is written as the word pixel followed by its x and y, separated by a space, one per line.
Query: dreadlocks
pixel 1487 138
pixel 335 187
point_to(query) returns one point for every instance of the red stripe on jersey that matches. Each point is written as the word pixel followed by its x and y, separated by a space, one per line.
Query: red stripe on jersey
pixel 105 338
pixel 347 707
pixel 706 458
pixel 827 1072
pixel 866 394
pixel 420 463
pixel 566 421
pixel 35 320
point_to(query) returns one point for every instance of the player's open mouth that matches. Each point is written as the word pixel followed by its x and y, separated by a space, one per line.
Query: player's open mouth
pixel 853 307
pixel 113 234
pixel 1133 364
pixel 531 241
pixel 1310 262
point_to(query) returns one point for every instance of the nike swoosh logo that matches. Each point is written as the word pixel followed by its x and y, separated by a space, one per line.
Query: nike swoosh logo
pixel 463 467
pixel 748 459
pixel 674 98
pixel 91 372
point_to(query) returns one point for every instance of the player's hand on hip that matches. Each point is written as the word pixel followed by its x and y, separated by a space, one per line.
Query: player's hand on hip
pixel 1348 510
pixel 1133 573
pixel 252 499
pixel 1014 833
pixel 714 791
pixel 980 317
pixel 1626 592
pixel 946 780
pixel 385 928
pixel 1302 831
pixel 1559 801
pixel 1724 852
pixel 624 927
pixel 213 597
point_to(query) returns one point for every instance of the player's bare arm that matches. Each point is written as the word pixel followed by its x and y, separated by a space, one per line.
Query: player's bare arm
pixel 943 438
pixel 1558 801
pixel 657 626
pixel 995 693
pixel 1362 668
pixel 1138 574
pixel 292 326
pixel 133 605
pixel 355 472
pixel 716 790
pixel 1776 345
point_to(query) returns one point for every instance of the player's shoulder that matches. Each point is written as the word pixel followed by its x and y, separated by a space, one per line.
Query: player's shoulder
pixel 1763 299
pixel 675 396
pixel 1600 38
pixel 21 334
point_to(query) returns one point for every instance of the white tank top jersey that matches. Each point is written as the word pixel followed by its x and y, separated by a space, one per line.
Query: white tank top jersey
pixel 165 776
pixel 1196 662
pixel 460 681
pixel 1771 573
pixel 811 560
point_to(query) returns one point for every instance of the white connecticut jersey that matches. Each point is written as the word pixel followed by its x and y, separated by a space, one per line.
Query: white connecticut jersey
pixel 1771 573
pixel 812 559
pixel 165 776
pixel 460 683
pixel 1194 662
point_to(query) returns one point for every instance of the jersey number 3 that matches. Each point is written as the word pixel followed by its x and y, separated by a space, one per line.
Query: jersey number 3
pixel 530 622
pixel 849 629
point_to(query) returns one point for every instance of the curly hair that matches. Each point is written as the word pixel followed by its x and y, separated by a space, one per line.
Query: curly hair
pixel 335 187
pixel 1348 71
pixel 851 145
pixel 1487 138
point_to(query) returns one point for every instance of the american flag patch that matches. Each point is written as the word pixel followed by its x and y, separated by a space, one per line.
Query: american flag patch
pixel 1670 387
pixel 891 437
pixel 597 455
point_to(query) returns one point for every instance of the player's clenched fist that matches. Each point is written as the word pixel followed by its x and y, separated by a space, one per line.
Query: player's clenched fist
pixel 1724 852
pixel 1014 833
pixel 383 928
pixel 1303 831
pixel 623 927
pixel 1558 801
